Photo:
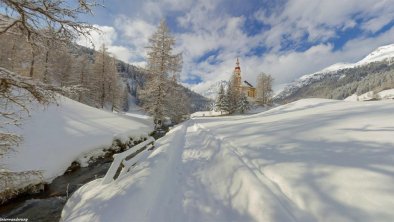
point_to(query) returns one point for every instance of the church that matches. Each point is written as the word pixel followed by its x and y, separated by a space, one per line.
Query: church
pixel 243 87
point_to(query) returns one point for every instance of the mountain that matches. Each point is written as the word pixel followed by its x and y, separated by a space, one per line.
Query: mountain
pixel 377 60
pixel 197 102
pixel 213 90
pixel 134 77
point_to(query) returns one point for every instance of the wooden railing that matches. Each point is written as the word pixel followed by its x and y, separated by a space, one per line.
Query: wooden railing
pixel 123 160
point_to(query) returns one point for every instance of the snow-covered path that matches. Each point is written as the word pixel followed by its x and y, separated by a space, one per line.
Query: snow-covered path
pixel 312 160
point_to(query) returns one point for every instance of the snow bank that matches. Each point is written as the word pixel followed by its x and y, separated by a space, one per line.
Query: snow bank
pixel 386 94
pixel 310 160
pixel 206 113
pixel 352 98
pixel 371 95
pixel 55 136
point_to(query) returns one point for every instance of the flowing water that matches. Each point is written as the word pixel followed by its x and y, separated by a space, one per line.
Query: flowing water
pixel 47 205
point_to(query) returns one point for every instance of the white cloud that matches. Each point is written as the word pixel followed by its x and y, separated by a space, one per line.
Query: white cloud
pixel 106 35
pixel 135 34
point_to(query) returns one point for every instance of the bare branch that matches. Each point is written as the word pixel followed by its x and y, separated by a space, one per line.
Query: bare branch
pixel 32 16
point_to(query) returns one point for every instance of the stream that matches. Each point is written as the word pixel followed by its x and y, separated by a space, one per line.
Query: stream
pixel 47 206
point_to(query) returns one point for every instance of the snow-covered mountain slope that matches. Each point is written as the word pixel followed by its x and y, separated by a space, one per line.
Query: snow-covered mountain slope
pixel 310 160
pixel 380 54
pixel 213 90
pixel 383 53
pixel 55 136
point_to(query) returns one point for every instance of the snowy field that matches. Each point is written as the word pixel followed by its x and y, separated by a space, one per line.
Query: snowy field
pixel 310 160
pixel 55 136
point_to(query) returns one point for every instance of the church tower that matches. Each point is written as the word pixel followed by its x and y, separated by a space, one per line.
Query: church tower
pixel 237 74
pixel 243 87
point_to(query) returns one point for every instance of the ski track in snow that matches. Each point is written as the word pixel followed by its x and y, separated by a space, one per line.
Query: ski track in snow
pixel 286 203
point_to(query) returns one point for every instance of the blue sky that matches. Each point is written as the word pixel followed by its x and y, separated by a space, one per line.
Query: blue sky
pixel 284 38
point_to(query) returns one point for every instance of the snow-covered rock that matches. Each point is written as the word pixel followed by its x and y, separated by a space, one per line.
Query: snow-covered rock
pixel 310 160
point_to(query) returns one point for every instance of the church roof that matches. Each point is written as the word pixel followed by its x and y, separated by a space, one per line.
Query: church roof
pixel 247 83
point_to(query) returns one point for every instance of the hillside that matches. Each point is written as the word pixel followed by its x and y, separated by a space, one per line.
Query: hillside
pixel 134 78
pixel 310 160
pixel 57 135
pixel 338 81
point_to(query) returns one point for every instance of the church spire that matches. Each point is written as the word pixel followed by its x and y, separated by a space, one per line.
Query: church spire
pixel 237 67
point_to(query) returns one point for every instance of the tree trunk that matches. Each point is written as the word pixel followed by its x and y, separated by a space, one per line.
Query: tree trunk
pixel 33 58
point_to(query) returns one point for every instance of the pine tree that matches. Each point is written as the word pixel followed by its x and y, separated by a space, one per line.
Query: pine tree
pixel 226 105
pixel 219 105
pixel 243 103
pixel 232 96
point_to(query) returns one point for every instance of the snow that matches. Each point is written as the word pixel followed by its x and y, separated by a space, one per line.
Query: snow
pixel 207 113
pixel 55 136
pixel 386 94
pixel 380 54
pixel 310 160
pixel 371 95
pixel 337 66
pixel 366 96
pixel 352 98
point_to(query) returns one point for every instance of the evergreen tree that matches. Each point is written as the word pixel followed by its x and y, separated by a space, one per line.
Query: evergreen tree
pixel 219 105
pixel 232 96
pixel 228 101
pixel 243 103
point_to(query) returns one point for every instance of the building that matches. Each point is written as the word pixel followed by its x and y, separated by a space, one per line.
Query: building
pixel 244 87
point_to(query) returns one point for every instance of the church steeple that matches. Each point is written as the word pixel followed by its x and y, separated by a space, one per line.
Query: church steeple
pixel 237 68
pixel 237 74
pixel 237 64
